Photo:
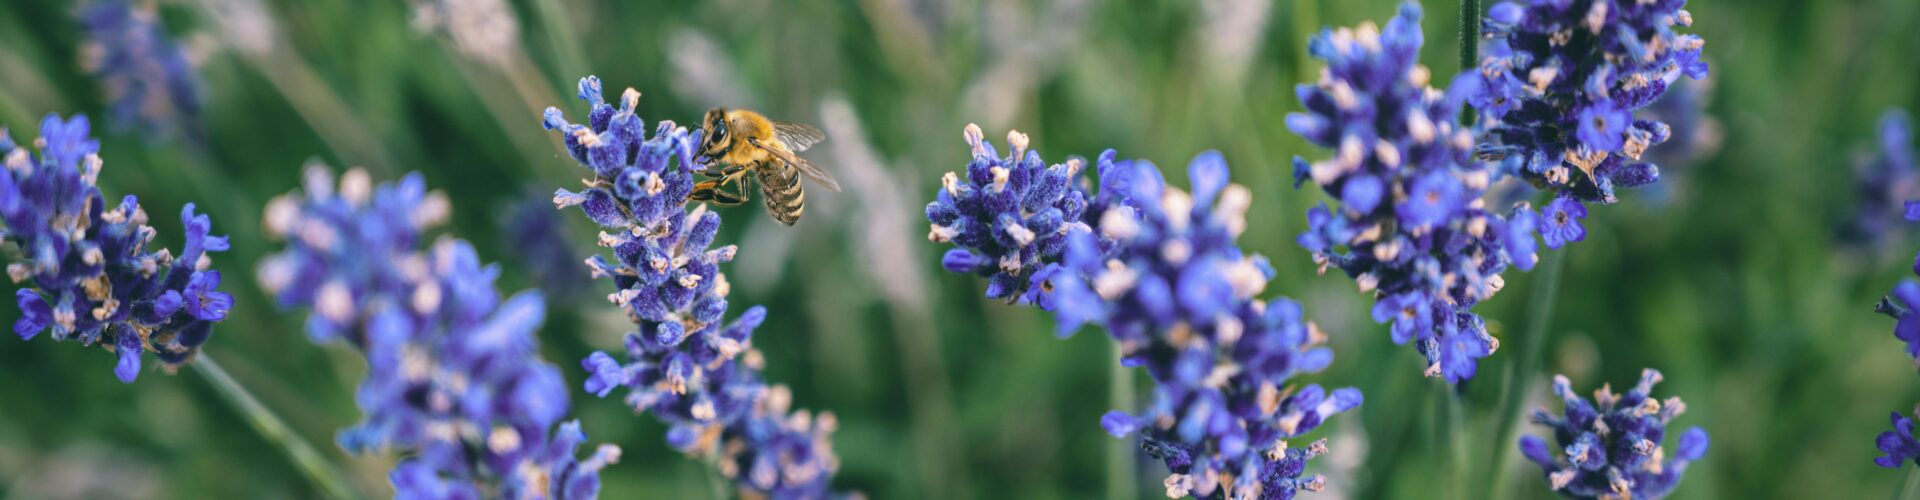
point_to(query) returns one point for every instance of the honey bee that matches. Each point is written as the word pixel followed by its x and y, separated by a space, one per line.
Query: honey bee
pixel 740 142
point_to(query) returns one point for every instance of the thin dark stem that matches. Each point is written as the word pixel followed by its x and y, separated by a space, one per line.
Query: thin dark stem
pixel 317 469
pixel 1469 45
pixel 1521 368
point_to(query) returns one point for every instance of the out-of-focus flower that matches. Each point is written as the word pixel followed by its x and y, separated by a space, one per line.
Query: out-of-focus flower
pixel 84 267
pixel 1559 80
pixel 1009 216
pixel 893 265
pixel 1409 225
pixel 1696 135
pixel 1883 182
pixel 482 30
pixel 684 362
pixel 1610 447
pixel 542 242
pixel 1898 446
pixel 148 80
pixel 454 377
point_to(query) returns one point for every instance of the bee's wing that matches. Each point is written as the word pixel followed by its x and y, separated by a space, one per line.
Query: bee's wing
pixel 798 137
pixel 813 171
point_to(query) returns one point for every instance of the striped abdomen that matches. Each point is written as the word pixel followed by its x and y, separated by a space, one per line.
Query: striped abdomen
pixel 780 191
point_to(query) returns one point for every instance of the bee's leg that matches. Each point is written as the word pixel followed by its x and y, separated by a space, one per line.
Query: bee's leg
pixel 719 171
pixel 716 192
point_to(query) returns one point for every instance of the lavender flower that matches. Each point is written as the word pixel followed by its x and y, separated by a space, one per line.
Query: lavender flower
pixel 1166 280
pixel 685 363
pixel 454 375
pixel 148 80
pixel 1409 225
pixel 1559 80
pixel 1903 304
pixel 537 236
pixel 1008 217
pixel 84 267
pixel 1610 448
pixel 1882 182
pixel 1158 269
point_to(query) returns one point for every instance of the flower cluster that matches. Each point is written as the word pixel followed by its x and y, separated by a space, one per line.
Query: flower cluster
pixel 1159 270
pixel 1009 217
pixel 149 82
pixel 1610 447
pixel 1410 225
pixel 454 375
pixel 1883 182
pixel 1166 280
pixel 1559 81
pixel 1903 304
pixel 84 267
pixel 685 363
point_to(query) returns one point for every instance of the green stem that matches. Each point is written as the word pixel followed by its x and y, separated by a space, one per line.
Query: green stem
pixel 1521 369
pixel 718 483
pixel 1910 490
pixel 323 474
pixel 1457 442
pixel 1121 483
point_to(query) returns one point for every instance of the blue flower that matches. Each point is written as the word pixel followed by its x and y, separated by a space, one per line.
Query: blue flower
pixel 1563 216
pixel 1559 81
pixel 686 364
pixel 1411 226
pixel 1898 444
pixel 86 272
pixel 1008 216
pixel 1883 182
pixel 1158 269
pixel 454 375
pixel 1603 126
pixel 144 73
pixel 1610 448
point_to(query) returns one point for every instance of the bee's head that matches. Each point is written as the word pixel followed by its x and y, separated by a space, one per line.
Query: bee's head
pixel 717 135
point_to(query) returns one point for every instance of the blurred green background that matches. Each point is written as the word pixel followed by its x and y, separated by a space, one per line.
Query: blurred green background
pixel 1731 281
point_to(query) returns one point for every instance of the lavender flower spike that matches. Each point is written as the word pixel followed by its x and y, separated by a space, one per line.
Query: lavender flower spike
pixel 1559 81
pixel 1410 225
pixel 685 363
pixel 1009 216
pixel 1610 447
pixel 148 80
pixel 84 269
pixel 454 377
pixel 1162 273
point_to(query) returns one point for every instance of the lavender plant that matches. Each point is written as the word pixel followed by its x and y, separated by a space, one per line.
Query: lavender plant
pixel 1158 269
pixel 146 76
pixel 454 377
pixel 1882 182
pixel 1610 447
pixel 1899 446
pixel 1409 225
pixel 1559 82
pixel 85 269
pixel 684 362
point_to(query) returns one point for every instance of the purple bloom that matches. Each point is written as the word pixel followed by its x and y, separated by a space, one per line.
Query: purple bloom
pixel 1559 80
pixel 1883 182
pixel 455 380
pixel 686 364
pixel 1411 227
pixel 1898 444
pixel 1159 270
pixel 144 73
pixel 86 272
pixel 1562 217
pixel 1008 216
pixel 1610 448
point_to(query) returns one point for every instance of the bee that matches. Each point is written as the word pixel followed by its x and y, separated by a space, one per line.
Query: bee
pixel 741 147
